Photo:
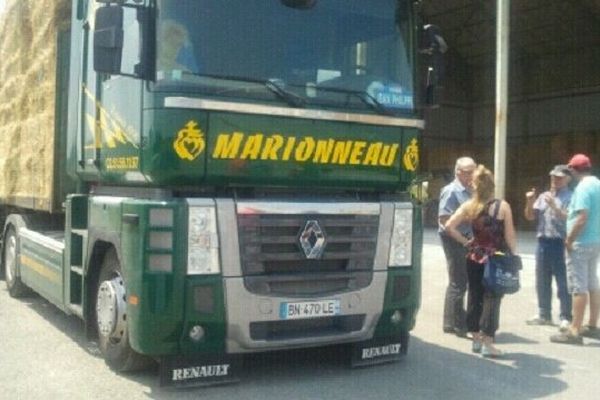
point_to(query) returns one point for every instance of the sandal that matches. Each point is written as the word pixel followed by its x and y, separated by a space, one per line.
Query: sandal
pixel 477 342
pixel 567 338
pixel 489 351
pixel 589 331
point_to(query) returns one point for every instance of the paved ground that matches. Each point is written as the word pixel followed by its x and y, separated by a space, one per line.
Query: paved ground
pixel 532 368
pixel 44 355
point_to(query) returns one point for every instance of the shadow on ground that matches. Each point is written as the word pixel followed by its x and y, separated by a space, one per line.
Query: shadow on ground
pixel 428 372
pixel 507 337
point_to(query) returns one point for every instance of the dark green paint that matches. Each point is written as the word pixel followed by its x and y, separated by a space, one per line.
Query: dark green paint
pixel 63 183
pixel 214 324
pixel 160 322
pixel 161 163
pixel 75 253
pixel 157 319
pixel 129 140
pixel 48 263
pixel 409 305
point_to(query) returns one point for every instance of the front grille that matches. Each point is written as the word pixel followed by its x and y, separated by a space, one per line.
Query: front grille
pixel 305 328
pixel 270 252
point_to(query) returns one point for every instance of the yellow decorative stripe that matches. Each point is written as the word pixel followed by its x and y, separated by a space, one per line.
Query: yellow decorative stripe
pixel 41 269
pixel 108 126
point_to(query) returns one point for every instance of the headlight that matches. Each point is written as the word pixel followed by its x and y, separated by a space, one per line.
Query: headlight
pixel 401 243
pixel 203 241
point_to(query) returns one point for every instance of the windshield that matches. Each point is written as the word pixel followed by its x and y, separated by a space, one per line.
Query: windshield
pixel 339 54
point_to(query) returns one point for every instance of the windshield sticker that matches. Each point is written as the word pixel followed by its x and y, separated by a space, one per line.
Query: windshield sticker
pixel 324 75
pixel 411 156
pixel 391 96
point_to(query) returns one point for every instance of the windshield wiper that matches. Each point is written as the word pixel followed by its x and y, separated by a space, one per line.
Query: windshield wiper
pixel 363 96
pixel 276 86
pixel 374 103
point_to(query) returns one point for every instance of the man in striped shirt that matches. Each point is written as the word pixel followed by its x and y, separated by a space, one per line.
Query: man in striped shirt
pixel 550 211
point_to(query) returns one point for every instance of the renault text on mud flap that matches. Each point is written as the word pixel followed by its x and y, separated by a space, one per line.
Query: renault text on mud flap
pixel 380 351
pixel 204 371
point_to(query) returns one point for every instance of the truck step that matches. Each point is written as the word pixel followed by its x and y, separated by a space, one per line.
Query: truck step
pixel 76 309
pixel 77 270
pixel 80 232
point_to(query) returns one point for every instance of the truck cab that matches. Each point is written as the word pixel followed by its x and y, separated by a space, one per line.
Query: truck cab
pixel 242 180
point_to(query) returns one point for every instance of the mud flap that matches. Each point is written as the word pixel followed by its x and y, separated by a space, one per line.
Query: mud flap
pixel 199 371
pixel 379 351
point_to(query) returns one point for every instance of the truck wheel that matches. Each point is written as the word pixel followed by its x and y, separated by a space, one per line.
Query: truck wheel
pixel 111 318
pixel 15 287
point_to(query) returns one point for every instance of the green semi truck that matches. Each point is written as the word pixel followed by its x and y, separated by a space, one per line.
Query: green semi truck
pixel 229 177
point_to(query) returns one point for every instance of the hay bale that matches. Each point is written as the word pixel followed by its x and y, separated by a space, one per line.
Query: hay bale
pixel 28 32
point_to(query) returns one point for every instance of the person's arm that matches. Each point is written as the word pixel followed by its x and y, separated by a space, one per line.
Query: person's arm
pixel 529 200
pixel 442 219
pixel 452 224
pixel 558 212
pixel 510 235
pixel 447 206
pixel 578 225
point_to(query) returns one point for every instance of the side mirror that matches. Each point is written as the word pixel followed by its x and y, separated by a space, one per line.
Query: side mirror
pixel 433 47
pixel 108 39
pixel 124 42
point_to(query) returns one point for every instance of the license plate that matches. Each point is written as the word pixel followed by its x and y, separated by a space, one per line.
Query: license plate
pixel 309 309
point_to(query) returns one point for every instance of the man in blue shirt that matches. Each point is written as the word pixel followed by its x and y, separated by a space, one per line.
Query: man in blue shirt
pixel 583 250
pixel 451 197
pixel 550 211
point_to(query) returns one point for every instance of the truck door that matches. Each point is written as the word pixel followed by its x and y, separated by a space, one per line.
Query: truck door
pixel 110 124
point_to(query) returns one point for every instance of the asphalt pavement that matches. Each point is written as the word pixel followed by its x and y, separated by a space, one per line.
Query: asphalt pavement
pixel 45 355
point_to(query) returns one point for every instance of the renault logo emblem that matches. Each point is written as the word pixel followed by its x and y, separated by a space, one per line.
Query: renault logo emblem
pixel 312 240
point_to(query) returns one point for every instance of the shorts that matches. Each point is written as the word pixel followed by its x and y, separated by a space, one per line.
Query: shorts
pixel 582 265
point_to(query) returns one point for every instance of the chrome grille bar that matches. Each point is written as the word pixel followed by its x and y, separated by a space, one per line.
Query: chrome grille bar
pixel 270 247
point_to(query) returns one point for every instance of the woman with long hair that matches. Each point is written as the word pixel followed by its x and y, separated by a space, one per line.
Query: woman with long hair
pixel 493 230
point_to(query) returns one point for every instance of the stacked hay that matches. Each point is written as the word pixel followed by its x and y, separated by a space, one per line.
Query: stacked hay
pixel 28 32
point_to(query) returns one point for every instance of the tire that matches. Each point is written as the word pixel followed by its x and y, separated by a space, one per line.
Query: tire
pixel 16 288
pixel 110 310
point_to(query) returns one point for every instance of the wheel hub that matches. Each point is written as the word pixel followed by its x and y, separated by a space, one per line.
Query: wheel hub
pixel 111 309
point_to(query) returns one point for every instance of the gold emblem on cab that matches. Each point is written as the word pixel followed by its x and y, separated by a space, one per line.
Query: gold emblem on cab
pixel 411 156
pixel 189 143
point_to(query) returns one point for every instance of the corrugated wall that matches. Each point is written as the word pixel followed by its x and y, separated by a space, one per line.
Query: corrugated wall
pixel 554 112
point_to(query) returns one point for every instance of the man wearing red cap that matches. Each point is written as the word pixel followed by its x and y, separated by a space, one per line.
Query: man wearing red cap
pixel 583 250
